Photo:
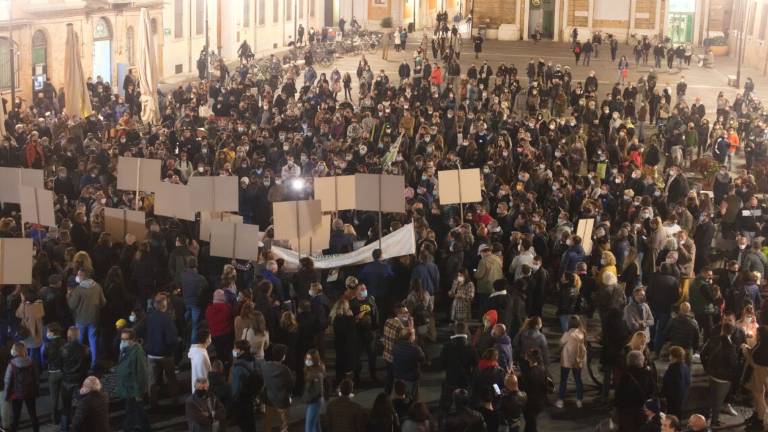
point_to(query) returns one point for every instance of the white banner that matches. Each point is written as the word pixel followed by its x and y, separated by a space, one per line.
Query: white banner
pixel 399 243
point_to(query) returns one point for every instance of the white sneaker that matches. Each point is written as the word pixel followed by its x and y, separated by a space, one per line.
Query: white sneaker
pixel 579 404
pixel 559 404
pixel 728 409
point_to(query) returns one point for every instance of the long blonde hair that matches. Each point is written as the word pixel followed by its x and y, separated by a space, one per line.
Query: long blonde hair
pixel 638 342
pixel 341 307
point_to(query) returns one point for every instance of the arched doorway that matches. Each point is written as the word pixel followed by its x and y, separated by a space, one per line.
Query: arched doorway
pixel 102 50
pixel 541 17
pixel 39 59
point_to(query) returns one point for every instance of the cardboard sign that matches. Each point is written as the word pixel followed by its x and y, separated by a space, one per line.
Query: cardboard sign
pixel 12 178
pixel 296 219
pixel 207 217
pixel 119 222
pixel 139 174
pixel 335 193
pixel 376 192
pixel 584 230
pixel 37 206
pixel 15 261
pixel 175 201
pixel 317 240
pixel 459 186
pixel 235 240
pixel 214 193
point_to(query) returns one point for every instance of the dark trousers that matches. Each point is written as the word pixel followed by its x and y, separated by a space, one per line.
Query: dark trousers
pixel 135 416
pixel 718 390
pixel 244 415
pixel 55 385
pixel 162 374
pixel 531 419
pixel 364 345
pixel 67 395
pixel 705 322
pixel 16 405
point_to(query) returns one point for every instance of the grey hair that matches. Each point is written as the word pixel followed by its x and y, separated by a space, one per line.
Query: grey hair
pixel 635 359
pixel 92 384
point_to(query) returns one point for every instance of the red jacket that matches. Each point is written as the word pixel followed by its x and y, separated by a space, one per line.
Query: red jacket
pixel 220 319
pixel 35 157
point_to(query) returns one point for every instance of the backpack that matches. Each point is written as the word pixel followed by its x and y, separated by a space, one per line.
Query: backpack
pixel 252 384
pixel 23 381
pixel 577 50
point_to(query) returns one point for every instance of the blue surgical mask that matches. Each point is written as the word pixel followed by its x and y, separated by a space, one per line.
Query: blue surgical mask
pixel 123 345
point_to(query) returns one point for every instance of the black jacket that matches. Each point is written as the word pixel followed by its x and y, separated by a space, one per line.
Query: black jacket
pixel 683 331
pixel 92 413
pixel 463 420
pixel 720 358
pixel 663 292
pixel 75 363
pixel 53 354
pixel 459 359
pixel 636 386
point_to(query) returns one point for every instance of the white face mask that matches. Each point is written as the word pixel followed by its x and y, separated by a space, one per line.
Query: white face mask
pixel 308 363
pixel 78 279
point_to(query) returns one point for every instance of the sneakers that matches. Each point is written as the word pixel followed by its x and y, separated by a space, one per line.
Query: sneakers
pixel 579 404
pixel 728 409
pixel 559 404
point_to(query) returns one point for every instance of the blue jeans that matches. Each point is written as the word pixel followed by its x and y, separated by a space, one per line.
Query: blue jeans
pixel 92 333
pixel 660 324
pixel 564 322
pixel 312 421
pixel 193 315
pixel 564 382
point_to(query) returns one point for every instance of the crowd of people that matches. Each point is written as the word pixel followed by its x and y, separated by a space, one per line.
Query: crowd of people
pixel 645 285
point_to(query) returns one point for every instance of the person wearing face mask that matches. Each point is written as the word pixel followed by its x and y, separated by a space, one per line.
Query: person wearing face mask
pixel 363 307
pixel 75 363
pixel 203 410
pixel 159 332
pixel 720 358
pixel 245 383
pixel 701 297
pixel 314 389
pixel 637 314
pixel 131 383
pixel 86 301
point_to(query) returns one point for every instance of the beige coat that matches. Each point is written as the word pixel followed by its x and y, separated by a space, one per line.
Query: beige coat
pixel 31 315
pixel 569 343
pixel 488 271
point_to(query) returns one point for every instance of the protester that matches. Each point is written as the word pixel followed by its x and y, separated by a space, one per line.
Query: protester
pixel 22 385
pixel 132 383
pixel 92 412
pixel 552 152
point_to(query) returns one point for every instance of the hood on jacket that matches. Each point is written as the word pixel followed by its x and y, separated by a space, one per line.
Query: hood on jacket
pixel 21 362
pixel 87 283
pixel 196 351
pixel 492 317
pixel 503 340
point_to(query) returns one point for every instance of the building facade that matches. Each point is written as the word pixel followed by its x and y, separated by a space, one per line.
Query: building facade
pixel 749 24
pixel 266 25
pixel 107 32
pixel 684 21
